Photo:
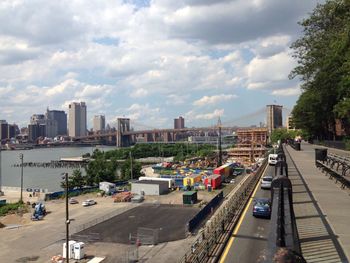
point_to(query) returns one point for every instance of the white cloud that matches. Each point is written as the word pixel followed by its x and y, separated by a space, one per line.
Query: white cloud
pixel 212 115
pixel 213 99
pixel 287 92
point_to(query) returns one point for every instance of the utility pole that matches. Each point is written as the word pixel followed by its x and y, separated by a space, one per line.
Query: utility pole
pixel 131 173
pixel 219 144
pixel 21 157
pixel 67 218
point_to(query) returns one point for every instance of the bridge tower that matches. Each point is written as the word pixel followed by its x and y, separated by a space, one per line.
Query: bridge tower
pixel 123 125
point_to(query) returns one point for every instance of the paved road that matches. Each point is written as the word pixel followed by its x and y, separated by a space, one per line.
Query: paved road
pixel 249 239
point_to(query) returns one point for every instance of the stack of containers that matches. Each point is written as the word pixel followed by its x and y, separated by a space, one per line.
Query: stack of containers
pixel 214 181
pixel 192 179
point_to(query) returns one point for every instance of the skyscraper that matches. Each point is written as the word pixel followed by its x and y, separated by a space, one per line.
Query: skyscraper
pixel 3 129
pixel 179 123
pixel 77 119
pixel 99 123
pixel 274 117
pixel 61 119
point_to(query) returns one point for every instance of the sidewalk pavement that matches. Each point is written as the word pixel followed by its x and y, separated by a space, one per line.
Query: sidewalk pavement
pixel 321 207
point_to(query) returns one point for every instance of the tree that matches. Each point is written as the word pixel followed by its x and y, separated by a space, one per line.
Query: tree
pixel 77 180
pixel 323 54
pixel 126 170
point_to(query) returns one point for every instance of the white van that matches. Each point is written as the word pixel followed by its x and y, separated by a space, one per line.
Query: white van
pixel 272 160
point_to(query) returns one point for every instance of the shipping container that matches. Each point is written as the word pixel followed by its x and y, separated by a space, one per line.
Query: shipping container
pixel 216 181
pixel 170 181
pixel 189 197
pixel 192 179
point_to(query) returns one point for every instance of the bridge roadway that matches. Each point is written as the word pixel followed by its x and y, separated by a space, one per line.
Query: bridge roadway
pixel 249 240
pixel 321 209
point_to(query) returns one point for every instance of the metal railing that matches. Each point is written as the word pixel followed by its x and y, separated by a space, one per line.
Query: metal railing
pixel 336 167
pixel 283 233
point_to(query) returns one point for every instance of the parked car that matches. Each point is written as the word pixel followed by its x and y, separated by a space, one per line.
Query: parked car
pixel 73 201
pixel 89 202
pixel 266 182
pixel 262 207
pixel 232 181
pixel 272 160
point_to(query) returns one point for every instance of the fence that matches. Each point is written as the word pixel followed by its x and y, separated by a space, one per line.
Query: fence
pixel 333 144
pixel 209 208
pixel 213 238
pixel 59 194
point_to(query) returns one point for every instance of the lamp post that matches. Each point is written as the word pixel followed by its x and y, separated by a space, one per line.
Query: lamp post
pixel 67 217
pixel 131 172
pixel 21 157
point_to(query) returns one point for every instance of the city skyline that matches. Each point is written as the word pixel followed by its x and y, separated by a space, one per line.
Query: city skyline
pixel 149 61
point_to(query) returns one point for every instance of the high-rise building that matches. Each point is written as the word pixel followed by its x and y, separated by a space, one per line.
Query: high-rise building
pixel 290 123
pixel 77 119
pixel 37 119
pixel 274 117
pixel 12 131
pixel 35 131
pixel 179 123
pixel 99 123
pixel 3 129
pixel 61 121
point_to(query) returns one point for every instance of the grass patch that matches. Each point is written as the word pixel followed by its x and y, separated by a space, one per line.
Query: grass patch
pixel 10 208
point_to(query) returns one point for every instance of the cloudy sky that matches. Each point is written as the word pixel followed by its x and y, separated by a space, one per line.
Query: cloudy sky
pixel 150 60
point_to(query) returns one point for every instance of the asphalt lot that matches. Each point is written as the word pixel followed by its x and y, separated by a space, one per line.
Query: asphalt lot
pixel 169 220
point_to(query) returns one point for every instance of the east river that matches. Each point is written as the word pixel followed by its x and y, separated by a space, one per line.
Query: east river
pixel 39 177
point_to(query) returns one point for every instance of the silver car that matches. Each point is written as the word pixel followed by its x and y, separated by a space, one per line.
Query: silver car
pixel 266 182
pixel 89 202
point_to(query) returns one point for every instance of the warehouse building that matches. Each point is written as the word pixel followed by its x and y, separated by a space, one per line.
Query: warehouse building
pixel 149 187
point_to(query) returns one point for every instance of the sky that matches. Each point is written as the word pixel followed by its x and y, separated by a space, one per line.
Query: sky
pixel 149 60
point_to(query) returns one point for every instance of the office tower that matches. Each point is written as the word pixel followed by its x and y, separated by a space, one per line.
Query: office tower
pixel 77 119
pixel 274 117
pixel 51 128
pixel 99 123
pixel 35 131
pixel 179 123
pixel 61 120
pixel 290 123
pixel 3 130
pixel 37 119
pixel 12 131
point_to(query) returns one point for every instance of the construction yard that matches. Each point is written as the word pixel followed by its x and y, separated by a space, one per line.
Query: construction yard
pixel 114 223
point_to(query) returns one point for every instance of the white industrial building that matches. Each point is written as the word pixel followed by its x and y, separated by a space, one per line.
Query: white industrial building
pixel 149 187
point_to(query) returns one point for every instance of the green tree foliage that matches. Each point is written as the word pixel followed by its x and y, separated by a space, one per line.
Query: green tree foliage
pixel 103 165
pixel 323 55
pixel 126 170
pixel 283 134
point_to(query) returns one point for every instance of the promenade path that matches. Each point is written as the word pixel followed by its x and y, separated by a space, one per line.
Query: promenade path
pixel 321 207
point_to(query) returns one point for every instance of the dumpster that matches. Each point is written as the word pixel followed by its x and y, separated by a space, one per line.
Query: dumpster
pixel 190 197
pixel 320 154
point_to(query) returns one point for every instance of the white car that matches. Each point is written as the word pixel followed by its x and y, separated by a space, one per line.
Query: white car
pixel 272 159
pixel 232 181
pixel 89 202
pixel 266 182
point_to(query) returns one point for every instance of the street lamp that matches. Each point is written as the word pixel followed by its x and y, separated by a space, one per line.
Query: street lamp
pixel 67 217
pixel 21 157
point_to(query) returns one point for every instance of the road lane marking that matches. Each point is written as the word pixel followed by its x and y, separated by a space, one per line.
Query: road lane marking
pixel 235 231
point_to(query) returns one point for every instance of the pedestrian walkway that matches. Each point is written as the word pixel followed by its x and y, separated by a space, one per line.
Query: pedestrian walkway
pixel 322 209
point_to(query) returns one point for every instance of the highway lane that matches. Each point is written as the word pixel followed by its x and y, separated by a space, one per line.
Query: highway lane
pixel 249 240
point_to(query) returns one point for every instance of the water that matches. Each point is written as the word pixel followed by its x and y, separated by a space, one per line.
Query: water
pixel 37 177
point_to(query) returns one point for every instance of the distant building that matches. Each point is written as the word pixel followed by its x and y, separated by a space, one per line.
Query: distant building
pixel 290 123
pixel 37 119
pixel 99 123
pixel 179 123
pixel 35 131
pixel 274 117
pixel 12 131
pixel 61 121
pixel 3 129
pixel 77 125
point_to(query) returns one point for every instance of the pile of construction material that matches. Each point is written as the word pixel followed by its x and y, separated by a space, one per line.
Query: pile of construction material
pixel 122 197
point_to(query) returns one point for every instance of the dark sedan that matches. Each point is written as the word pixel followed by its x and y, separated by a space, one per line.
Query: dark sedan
pixel 262 207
